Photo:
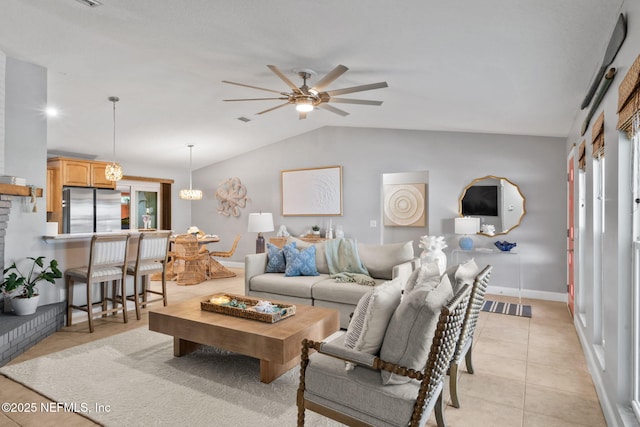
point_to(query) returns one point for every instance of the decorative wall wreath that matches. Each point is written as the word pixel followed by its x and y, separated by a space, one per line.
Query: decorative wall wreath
pixel 231 195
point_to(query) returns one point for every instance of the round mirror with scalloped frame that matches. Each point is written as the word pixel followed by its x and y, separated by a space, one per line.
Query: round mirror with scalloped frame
pixel 497 201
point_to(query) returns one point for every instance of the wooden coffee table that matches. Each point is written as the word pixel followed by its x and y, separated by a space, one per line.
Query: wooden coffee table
pixel 277 345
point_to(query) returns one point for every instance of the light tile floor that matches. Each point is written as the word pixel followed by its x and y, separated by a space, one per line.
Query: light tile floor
pixel 528 372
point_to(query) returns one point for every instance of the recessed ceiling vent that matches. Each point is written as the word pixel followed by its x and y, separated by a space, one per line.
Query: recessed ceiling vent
pixel 90 3
pixel 244 119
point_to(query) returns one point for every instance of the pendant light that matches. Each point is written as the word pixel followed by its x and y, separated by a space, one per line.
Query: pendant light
pixel 113 171
pixel 190 194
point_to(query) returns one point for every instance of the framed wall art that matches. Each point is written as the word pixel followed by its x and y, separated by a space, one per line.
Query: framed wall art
pixel 404 205
pixel 312 191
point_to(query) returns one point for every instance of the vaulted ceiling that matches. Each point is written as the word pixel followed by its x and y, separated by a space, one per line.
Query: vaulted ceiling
pixel 497 66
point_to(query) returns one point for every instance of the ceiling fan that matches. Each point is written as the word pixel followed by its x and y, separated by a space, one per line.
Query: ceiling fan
pixel 307 98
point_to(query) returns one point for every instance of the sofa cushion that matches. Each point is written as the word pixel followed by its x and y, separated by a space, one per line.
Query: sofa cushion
pixel 371 317
pixel 278 283
pixel 380 259
pixel 347 293
pixel 300 262
pixel 462 273
pixel 321 258
pixel 275 258
pixel 427 273
pixel 412 327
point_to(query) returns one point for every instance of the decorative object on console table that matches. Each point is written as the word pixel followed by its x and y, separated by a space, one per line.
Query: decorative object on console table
pixel 315 230
pixel 260 223
pixel 466 226
pixel 505 246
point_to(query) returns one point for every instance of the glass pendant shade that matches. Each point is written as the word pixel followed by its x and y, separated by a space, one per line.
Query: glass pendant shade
pixel 191 193
pixel 113 172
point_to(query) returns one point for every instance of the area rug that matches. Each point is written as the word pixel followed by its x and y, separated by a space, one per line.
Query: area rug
pixel 521 310
pixel 133 379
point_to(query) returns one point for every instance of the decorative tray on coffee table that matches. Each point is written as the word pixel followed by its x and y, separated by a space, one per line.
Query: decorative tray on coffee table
pixel 249 308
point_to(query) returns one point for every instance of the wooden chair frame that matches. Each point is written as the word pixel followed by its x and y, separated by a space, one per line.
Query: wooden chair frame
pixel 72 274
pixel 140 275
pixel 431 378
pixel 465 343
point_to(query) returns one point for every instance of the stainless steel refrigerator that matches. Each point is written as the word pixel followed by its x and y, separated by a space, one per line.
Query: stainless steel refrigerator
pixel 90 210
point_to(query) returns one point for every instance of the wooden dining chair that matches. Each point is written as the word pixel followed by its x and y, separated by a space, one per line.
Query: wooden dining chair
pixel 216 269
pixel 153 249
pixel 107 262
pixel 190 264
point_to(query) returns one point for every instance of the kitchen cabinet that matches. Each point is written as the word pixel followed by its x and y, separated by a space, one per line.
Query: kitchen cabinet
pixel 62 171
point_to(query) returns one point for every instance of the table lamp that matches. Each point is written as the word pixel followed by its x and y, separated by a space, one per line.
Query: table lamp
pixel 466 226
pixel 260 223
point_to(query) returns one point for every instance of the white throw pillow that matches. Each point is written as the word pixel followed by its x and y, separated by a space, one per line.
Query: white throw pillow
pixel 371 317
pixel 462 273
pixel 428 274
pixel 410 333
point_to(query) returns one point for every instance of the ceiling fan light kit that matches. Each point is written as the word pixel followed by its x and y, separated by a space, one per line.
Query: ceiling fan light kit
pixel 307 98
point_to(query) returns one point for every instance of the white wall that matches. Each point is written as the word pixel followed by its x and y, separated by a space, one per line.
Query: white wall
pixel 610 365
pixel 452 160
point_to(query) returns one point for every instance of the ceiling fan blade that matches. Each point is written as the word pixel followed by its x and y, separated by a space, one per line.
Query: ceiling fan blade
pixel 354 101
pixel 333 109
pixel 255 99
pixel 357 88
pixel 274 108
pixel 253 87
pixel 330 77
pixel 302 115
pixel 284 78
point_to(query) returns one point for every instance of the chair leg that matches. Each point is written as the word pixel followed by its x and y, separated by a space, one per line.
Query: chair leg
pixel 123 300
pixel 136 295
pixel 164 288
pixel 453 384
pixel 90 305
pixel 440 410
pixel 467 359
pixel 69 285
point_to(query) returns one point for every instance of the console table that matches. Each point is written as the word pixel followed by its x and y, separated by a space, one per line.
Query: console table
pixel 459 255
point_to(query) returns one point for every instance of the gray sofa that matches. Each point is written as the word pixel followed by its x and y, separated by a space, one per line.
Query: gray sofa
pixel 384 262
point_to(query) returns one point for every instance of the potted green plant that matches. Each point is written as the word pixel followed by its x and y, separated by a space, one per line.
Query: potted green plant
pixel 23 287
pixel 316 230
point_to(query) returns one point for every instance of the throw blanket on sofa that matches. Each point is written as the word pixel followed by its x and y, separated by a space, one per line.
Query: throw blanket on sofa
pixel 344 262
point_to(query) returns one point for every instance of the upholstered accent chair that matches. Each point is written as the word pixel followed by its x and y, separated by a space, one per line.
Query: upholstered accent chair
pixel 464 345
pixel 360 397
pixel 153 248
pixel 107 262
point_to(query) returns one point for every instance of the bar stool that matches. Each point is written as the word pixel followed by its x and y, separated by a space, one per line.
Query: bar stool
pixel 107 262
pixel 153 250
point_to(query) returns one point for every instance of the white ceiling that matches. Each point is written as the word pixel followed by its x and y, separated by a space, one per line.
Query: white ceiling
pixel 499 66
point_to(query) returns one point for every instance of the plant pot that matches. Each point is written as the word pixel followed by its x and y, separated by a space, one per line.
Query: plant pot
pixel 8 308
pixel 25 306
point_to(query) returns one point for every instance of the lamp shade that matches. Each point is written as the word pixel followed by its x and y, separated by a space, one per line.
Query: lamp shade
pixel 260 222
pixel 467 225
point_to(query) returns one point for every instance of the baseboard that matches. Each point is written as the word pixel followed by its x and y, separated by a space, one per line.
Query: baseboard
pixel 232 264
pixel 528 293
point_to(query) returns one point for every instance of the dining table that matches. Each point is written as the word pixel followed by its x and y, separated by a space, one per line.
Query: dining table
pixel 203 240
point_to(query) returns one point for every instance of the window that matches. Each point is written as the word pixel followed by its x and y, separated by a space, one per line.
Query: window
pixel 635 286
pixel 598 256
pixel 141 205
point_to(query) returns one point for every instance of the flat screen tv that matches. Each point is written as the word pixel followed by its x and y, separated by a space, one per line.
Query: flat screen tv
pixel 480 200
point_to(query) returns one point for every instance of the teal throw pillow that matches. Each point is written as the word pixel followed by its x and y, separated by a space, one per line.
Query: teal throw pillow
pixel 275 258
pixel 300 263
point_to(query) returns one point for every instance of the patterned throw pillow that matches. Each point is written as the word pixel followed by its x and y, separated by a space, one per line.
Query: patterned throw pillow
pixel 300 263
pixel 371 316
pixel 275 258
